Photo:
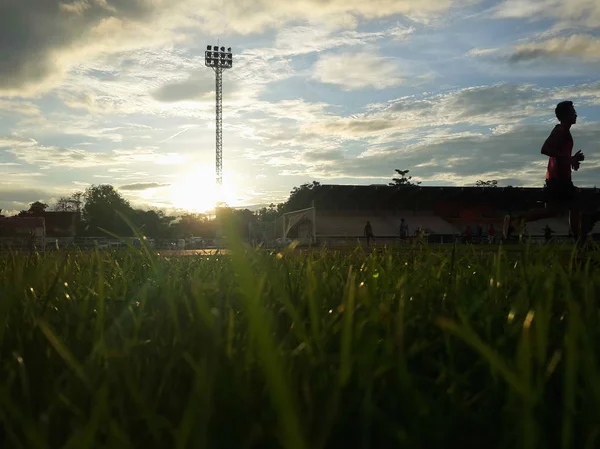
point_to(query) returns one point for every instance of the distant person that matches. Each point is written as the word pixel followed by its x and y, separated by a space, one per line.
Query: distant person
pixel 522 232
pixel 480 233
pixel 547 234
pixel 420 234
pixel 560 194
pixel 468 234
pixel 403 229
pixel 369 233
pixel 491 234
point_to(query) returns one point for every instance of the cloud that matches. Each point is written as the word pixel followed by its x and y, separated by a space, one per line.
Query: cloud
pixel 32 152
pixel 475 52
pixel 580 46
pixel 142 186
pixel 42 40
pixel 357 127
pixel 572 13
pixel 414 117
pixel 460 158
pixel 12 107
pixel 251 17
pixel 17 199
pixel 196 87
pixel 200 86
pixel 141 154
pixel 312 38
pixel 357 71
pixel 482 103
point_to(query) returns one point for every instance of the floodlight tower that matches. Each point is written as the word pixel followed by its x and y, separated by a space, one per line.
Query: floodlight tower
pixel 218 60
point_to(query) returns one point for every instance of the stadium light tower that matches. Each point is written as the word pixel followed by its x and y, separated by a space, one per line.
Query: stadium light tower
pixel 218 60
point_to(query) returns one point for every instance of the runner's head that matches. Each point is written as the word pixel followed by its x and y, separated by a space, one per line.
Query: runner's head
pixel 565 113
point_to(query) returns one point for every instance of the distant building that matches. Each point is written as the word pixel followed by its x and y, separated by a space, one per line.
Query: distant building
pixel 22 232
pixel 61 224
pixel 341 210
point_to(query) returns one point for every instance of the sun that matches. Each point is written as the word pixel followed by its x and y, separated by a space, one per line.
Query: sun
pixel 198 191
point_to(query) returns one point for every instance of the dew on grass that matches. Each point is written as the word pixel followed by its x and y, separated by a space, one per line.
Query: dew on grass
pixel 511 316
pixel 528 319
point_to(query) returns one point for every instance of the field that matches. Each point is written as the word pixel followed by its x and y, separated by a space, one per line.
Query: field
pixel 252 349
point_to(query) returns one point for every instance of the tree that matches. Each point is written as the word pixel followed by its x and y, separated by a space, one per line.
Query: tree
pixel 270 213
pixel 193 225
pixel 490 183
pixel 238 220
pixel 402 180
pixel 36 209
pixel 153 223
pixel 103 204
pixel 70 203
pixel 300 197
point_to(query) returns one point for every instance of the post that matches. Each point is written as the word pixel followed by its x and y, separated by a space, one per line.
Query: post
pixel 314 222
pixel 219 123
pixel 218 60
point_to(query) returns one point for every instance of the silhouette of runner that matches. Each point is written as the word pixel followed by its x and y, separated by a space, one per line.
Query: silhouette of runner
pixel 560 195
pixel 403 229
pixel 369 233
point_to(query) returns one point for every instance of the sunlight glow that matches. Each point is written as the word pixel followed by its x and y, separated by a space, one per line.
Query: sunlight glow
pixel 197 191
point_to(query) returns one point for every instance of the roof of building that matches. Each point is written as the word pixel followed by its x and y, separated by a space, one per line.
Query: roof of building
pixel 382 197
pixel 24 222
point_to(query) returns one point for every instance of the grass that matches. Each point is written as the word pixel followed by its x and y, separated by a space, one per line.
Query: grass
pixel 420 349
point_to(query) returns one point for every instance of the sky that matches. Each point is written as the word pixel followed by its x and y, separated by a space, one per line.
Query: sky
pixel 337 91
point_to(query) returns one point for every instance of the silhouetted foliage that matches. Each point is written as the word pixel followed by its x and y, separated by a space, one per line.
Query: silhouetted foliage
pixel 103 203
pixel 490 183
pixel 153 223
pixel 70 203
pixel 300 197
pixel 402 180
pixel 193 225
pixel 270 213
pixel 36 209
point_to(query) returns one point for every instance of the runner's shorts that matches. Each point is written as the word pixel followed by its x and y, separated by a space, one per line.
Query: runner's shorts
pixel 560 191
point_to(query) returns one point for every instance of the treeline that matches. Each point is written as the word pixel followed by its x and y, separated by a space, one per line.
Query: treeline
pixel 102 210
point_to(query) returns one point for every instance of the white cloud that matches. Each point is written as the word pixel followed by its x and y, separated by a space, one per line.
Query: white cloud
pixel 313 38
pixel 12 107
pixel 475 52
pixel 579 46
pixel 357 71
pixel 261 14
pixel 571 13
pixel 512 157
pixel 42 40
pixel 49 156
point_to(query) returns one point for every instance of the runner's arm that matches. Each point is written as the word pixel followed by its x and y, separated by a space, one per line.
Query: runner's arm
pixel 553 145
